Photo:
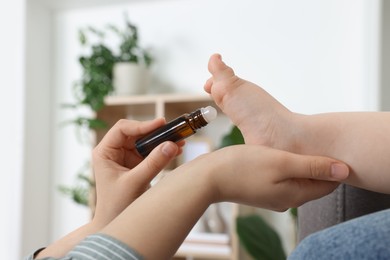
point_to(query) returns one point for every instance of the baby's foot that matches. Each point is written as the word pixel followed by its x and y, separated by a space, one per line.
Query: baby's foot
pixel 260 117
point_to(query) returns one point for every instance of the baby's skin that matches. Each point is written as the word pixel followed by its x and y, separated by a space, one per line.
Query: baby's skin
pixel 360 139
pixel 259 116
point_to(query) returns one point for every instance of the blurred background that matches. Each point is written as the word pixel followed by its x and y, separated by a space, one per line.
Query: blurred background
pixel 313 55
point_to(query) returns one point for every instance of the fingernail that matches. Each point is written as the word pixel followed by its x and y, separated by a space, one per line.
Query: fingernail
pixel 339 171
pixel 169 149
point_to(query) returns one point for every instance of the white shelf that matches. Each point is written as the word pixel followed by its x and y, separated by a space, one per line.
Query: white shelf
pixel 209 251
pixel 160 98
pixel 210 245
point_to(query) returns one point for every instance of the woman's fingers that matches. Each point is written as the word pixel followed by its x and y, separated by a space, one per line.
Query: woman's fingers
pixel 156 161
pixel 314 167
pixel 118 136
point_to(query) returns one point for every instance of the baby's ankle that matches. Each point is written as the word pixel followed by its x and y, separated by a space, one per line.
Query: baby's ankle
pixel 292 134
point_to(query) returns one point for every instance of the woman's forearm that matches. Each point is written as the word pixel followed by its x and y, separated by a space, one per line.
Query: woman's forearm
pixel 174 205
pixel 157 222
pixel 361 139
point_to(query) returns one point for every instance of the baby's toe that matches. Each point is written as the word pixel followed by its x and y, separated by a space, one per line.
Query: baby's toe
pixel 218 68
pixel 208 85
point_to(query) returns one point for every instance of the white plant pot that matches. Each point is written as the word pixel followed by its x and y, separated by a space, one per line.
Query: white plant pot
pixel 129 78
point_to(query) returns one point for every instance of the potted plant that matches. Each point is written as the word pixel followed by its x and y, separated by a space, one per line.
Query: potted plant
pixel 127 65
pixel 131 64
pixel 100 72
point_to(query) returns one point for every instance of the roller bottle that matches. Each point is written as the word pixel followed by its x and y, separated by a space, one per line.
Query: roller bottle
pixel 176 130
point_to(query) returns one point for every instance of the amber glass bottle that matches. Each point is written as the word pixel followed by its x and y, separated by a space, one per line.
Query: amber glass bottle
pixel 176 130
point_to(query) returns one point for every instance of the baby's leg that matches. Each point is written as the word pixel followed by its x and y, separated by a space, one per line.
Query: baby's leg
pixel 260 117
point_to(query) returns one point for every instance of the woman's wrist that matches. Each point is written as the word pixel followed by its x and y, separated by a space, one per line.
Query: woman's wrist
pixel 217 176
pixel 204 173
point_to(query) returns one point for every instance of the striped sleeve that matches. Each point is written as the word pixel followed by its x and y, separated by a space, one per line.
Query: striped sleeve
pixel 98 246
pixel 101 246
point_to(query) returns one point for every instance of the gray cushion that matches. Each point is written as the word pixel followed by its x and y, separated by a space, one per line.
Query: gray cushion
pixel 345 203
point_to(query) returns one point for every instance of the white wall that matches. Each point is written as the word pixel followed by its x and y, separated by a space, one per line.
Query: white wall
pixel 314 56
pixel 301 51
pixel 37 179
pixel 12 73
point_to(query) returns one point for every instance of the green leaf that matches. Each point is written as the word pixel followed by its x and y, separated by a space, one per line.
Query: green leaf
pixel 91 123
pixel 147 58
pixel 82 37
pixel 232 138
pixel 97 32
pixel 294 212
pixel 97 124
pixel 259 239
pixel 80 192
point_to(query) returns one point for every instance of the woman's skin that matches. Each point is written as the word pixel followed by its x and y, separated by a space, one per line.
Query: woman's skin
pixel 156 221
pixel 121 176
pixel 359 138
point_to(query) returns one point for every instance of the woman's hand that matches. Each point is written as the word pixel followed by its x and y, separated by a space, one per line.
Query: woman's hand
pixel 121 174
pixel 268 178
pixel 250 174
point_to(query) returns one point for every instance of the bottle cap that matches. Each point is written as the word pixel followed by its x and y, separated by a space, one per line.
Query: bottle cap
pixel 209 113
